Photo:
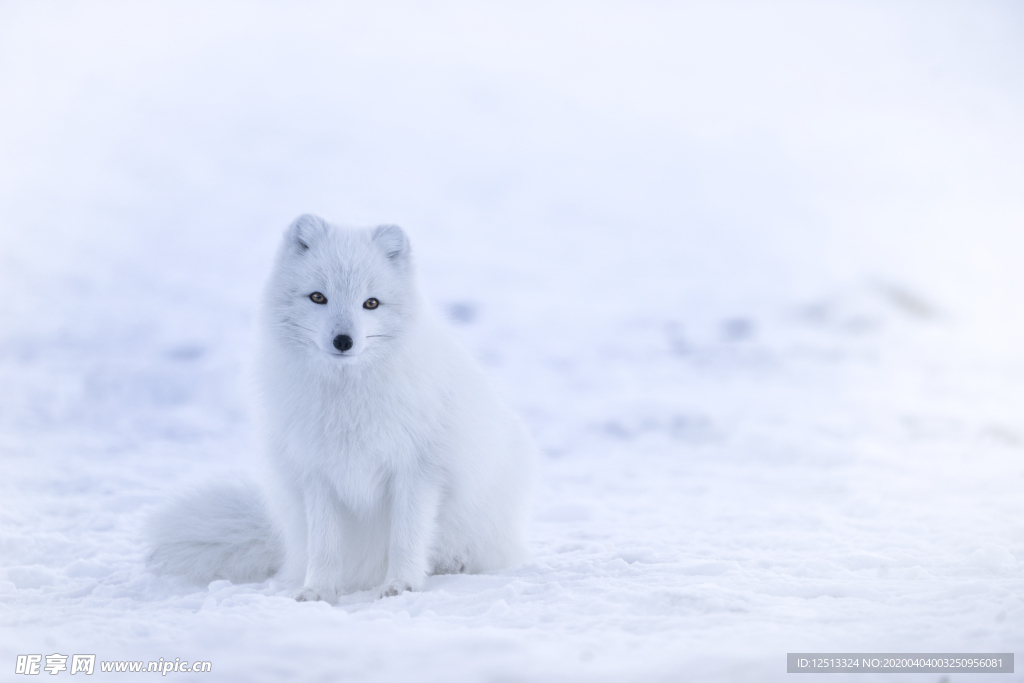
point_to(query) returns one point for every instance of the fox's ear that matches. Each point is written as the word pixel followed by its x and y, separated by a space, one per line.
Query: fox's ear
pixel 304 231
pixel 392 241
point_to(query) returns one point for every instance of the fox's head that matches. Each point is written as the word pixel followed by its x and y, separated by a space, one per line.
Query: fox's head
pixel 345 293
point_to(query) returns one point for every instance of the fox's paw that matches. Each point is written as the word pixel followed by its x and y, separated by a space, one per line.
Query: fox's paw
pixel 450 566
pixel 395 587
pixel 309 594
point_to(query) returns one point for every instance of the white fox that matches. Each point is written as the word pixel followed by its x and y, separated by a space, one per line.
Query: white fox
pixel 388 455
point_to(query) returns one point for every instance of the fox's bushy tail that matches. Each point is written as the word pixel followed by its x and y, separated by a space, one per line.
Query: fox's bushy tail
pixel 222 531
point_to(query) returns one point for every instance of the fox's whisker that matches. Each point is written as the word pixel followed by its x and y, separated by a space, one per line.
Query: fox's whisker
pixel 292 323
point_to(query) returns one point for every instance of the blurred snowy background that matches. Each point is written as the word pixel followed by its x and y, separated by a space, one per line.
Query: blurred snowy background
pixel 752 272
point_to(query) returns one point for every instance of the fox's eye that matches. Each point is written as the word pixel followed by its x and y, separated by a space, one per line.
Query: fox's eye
pixel 318 298
pixel 371 303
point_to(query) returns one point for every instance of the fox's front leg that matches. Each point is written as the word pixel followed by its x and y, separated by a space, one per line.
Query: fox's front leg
pixel 324 552
pixel 414 507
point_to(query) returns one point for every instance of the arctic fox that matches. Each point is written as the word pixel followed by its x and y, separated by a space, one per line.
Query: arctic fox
pixel 388 456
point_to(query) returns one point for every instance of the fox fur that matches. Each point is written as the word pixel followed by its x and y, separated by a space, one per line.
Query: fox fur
pixel 387 456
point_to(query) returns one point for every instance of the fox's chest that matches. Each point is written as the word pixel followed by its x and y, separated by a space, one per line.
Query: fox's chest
pixel 361 483
pixel 362 450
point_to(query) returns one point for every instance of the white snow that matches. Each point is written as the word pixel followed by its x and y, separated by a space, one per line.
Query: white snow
pixel 750 271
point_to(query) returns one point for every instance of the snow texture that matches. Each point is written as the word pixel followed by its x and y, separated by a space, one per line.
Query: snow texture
pixel 751 273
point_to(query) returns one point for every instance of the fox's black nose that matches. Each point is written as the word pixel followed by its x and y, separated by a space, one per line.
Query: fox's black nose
pixel 343 342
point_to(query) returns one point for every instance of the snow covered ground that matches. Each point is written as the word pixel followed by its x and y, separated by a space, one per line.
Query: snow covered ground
pixel 751 273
